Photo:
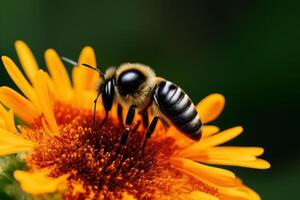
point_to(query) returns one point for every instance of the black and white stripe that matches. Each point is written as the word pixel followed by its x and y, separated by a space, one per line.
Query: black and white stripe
pixel 176 105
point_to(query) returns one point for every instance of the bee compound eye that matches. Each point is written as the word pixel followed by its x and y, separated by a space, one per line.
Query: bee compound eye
pixel 129 81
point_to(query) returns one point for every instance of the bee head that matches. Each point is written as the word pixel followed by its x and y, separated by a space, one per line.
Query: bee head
pixel 134 80
pixel 129 81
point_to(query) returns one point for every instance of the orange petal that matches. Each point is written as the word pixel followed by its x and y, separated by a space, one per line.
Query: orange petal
pixel 27 59
pixel 39 183
pixel 211 141
pixel 77 81
pixel 222 137
pixel 18 78
pixel 59 74
pixel 88 78
pixel 11 143
pixel 232 156
pixel 42 90
pixel 76 78
pixel 229 188
pixel 231 153
pixel 253 195
pixel 7 150
pixel 9 120
pixel 241 192
pixel 212 174
pixel 210 107
pixel 198 195
pixel 208 130
pixel 256 164
pixel 14 139
pixel 253 151
pixel 23 108
pixel 181 140
pixel 2 123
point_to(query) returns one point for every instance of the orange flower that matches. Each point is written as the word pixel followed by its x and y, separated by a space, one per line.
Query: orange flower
pixel 66 154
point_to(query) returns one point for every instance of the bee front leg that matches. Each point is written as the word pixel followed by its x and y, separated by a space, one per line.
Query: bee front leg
pixel 95 107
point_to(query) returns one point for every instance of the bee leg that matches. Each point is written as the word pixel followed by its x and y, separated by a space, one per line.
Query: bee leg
pixel 145 118
pixel 150 129
pixel 120 113
pixel 128 122
pixel 95 107
pixel 164 122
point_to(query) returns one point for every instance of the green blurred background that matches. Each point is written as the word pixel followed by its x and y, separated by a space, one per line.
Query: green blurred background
pixel 247 50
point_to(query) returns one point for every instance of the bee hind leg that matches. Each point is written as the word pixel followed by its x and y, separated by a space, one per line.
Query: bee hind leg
pixel 150 130
pixel 151 127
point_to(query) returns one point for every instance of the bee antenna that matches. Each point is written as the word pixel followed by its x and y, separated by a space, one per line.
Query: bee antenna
pixel 94 68
pixel 72 62
pixel 68 60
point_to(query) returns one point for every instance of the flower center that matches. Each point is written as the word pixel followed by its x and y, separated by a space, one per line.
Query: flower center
pixel 94 157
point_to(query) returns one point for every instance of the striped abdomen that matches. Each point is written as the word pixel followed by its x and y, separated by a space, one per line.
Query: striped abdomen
pixel 176 105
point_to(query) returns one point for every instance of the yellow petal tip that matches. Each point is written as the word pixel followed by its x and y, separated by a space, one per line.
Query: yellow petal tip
pixel 17 174
pixel 49 51
pixel 20 43
pixel 219 96
pixel 240 128
pixel 265 165
pixel 5 59
pixel 39 182
pixel 211 107
pixel 88 48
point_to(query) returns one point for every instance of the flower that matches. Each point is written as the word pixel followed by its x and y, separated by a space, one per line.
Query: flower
pixel 66 154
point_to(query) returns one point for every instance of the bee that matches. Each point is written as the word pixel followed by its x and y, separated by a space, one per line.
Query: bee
pixel 136 86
